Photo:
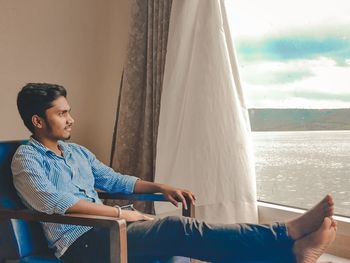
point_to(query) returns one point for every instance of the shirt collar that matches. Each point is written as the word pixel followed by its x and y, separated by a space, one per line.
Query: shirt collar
pixel 43 149
pixel 65 148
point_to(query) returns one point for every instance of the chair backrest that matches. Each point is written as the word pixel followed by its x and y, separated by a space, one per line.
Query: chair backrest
pixel 18 238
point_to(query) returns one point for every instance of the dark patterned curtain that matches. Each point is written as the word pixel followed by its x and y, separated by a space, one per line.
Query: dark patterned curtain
pixel 136 126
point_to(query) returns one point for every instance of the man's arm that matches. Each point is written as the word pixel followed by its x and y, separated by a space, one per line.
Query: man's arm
pixel 86 207
pixel 174 195
pixel 38 192
pixel 108 180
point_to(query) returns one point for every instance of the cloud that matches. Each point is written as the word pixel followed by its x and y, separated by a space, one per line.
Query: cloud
pixel 289 61
pixel 246 17
pixel 289 76
pixel 322 73
pixel 301 103
pixel 274 73
pixel 323 96
pixel 320 83
pixel 275 97
pixel 295 47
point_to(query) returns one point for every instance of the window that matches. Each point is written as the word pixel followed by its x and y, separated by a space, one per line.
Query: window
pixel 294 61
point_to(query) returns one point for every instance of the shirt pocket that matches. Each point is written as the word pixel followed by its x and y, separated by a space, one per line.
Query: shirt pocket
pixel 82 175
pixel 56 175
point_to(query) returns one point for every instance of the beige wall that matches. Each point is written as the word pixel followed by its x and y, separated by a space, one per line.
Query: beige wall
pixel 80 44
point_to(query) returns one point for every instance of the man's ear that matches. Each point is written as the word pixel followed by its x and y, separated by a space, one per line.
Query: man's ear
pixel 37 121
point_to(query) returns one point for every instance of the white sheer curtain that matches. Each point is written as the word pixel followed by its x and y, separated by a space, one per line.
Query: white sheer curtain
pixel 204 131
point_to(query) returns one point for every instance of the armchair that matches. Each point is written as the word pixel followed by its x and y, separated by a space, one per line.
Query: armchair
pixel 21 237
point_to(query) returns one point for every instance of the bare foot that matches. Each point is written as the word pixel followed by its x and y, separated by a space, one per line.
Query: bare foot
pixel 312 219
pixel 311 247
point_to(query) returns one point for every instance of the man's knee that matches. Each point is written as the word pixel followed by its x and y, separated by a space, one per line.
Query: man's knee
pixel 174 224
pixel 173 220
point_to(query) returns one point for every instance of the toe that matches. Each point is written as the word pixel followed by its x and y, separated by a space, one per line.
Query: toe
pixel 330 200
pixel 331 211
pixel 327 223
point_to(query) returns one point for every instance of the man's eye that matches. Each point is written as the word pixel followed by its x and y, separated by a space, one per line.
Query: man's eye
pixel 60 114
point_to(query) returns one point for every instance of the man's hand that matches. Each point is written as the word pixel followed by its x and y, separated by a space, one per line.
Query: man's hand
pixel 132 216
pixel 175 195
pixel 172 194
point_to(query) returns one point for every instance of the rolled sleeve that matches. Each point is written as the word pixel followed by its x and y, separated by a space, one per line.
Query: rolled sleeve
pixel 130 184
pixel 108 180
pixel 67 201
pixel 36 191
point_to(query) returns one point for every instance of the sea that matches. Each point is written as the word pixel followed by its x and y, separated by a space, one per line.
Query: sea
pixel 299 168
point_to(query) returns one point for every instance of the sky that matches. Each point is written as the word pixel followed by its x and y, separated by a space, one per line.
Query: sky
pixel 292 54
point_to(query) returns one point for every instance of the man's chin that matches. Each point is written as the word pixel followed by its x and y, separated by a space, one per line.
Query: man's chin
pixel 64 138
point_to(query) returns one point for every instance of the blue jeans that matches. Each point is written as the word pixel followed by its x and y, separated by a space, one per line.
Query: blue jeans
pixel 188 237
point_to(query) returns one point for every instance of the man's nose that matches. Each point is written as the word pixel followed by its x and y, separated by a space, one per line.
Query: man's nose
pixel 70 119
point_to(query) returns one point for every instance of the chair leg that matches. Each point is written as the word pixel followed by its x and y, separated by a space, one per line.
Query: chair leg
pixel 118 243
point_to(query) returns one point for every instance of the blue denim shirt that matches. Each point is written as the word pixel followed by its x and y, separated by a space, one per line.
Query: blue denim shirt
pixel 51 184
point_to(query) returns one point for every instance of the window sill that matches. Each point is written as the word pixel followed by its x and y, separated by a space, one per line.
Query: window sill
pixel 271 213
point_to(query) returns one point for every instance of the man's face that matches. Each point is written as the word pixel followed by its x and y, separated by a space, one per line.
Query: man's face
pixel 58 123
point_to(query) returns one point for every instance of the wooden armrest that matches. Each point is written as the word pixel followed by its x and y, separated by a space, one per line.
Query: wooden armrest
pixel 117 227
pixel 70 219
pixel 158 197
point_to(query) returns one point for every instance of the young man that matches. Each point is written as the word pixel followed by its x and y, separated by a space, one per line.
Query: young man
pixel 53 176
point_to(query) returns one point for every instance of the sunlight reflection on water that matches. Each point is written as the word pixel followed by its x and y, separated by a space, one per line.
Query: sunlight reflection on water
pixel 299 168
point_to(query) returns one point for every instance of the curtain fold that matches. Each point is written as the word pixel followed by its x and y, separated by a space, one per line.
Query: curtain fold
pixel 137 117
pixel 204 131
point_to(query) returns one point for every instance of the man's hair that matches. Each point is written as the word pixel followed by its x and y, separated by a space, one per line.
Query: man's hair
pixel 35 99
